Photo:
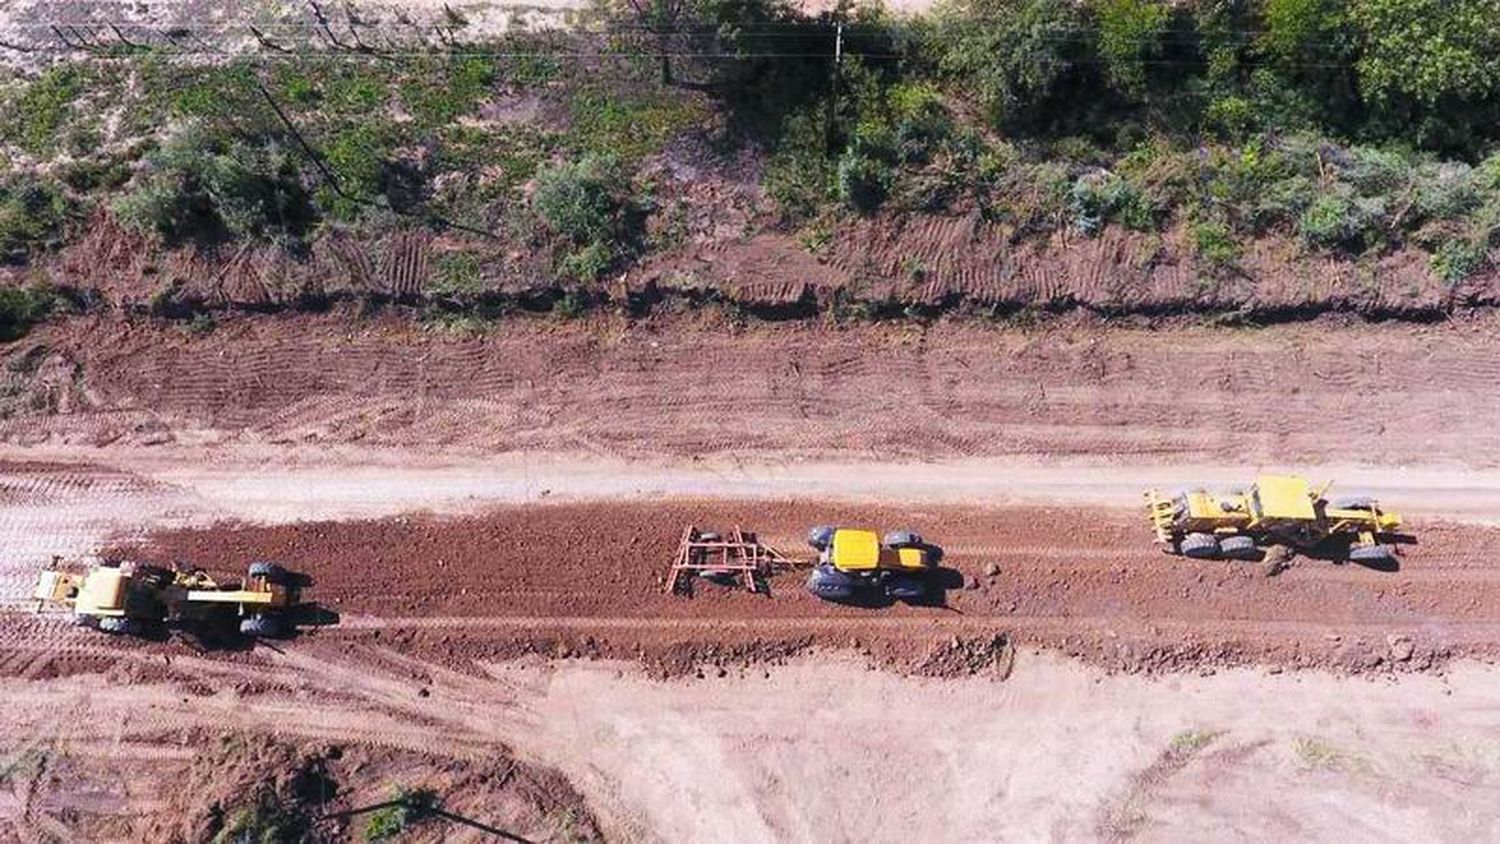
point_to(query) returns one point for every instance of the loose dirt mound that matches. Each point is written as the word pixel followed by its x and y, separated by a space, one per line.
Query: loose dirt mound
pixel 586 580
pixel 1388 395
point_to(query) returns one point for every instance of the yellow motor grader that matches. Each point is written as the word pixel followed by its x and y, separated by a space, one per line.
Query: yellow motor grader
pixel 133 599
pixel 1276 510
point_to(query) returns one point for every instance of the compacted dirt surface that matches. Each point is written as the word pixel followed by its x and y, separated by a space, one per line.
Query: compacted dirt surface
pixel 588 579
pixel 705 384
pixel 488 519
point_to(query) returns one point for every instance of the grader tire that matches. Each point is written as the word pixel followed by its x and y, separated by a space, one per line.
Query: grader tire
pixel 820 537
pixel 263 626
pixel 1354 502
pixel 902 539
pixel 1372 554
pixel 1199 546
pixel 121 626
pixel 1239 548
pixel 272 572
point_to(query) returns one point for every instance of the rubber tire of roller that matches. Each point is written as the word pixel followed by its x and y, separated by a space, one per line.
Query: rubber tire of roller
pixel 1199 546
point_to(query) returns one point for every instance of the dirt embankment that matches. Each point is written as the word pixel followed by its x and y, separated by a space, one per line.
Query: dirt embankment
pixel 581 579
pixel 1383 394
pixel 926 263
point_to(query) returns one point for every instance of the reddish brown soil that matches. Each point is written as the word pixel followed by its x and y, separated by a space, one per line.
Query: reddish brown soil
pixel 911 259
pixel 586 580
pixel 1384 394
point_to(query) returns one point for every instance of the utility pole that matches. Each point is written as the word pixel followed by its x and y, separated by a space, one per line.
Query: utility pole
pixel 830 128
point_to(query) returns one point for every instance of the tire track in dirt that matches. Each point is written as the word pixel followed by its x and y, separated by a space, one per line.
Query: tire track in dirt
pixel 1385 394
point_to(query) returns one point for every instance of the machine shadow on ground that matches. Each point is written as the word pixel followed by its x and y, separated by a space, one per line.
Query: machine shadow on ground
pixel 221 631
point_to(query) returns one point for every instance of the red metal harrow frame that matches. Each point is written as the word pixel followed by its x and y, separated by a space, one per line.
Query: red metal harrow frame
pixel 739 556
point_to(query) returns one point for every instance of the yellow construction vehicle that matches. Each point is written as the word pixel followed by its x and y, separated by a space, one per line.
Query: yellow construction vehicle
pixel 1277 509
pixel 856 564
pixel 128 598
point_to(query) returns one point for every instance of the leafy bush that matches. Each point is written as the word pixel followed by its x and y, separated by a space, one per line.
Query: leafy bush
pixel 44 106
pixel 411 807
pixel 863 180
pixel 199 186
pixel 31 213
pixel 1129 34
pixel 1215 244
pixel 1428 50
pixel 1445 191
pixel 799 176
pixel 1332 221
pixel 922 121
pixel 23 307
pixel 1008 53
pixel 587 262
pixel 265 821
pixel 583 200
pixel 1456 260
pixel 1373 171
pixel 586 203
pixel 1230 116
pixel 1097 197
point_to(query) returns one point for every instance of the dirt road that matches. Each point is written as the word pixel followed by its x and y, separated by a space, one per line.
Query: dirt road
pixel 477 507
pixel 764 739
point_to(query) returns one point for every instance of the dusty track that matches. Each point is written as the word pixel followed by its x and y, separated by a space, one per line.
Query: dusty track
pixel 1388 395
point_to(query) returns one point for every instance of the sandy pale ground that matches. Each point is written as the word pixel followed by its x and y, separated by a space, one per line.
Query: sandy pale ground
pixel 825 750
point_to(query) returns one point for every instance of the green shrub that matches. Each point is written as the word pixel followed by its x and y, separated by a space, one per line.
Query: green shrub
pixel 586 203
pixel 1291 27
pixel 1014 56
pixel 799 177
pixel 197 185
pixel 265 821
pixel 1097 197
pixel 1487 174
pixel 1457 259
pixel 23 307
pixel 1429 51
pixel 1375 171
pixel 1230 116
pixel 1130 33
pixel 358 157
pixel 864 181
pixel 1215 244
pixel 411 807
pixel 1334 220
pixel 44 106
pixel 922 121
pixel 1445 191
pixel 31 213
pixel 458 276
pixel 582 200
pixel 586 263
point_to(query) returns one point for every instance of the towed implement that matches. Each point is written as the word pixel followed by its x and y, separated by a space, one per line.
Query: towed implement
pixel 129 598
pixel 1284 510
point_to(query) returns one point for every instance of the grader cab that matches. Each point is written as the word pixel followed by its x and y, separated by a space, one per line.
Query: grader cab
pixel 1285 510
